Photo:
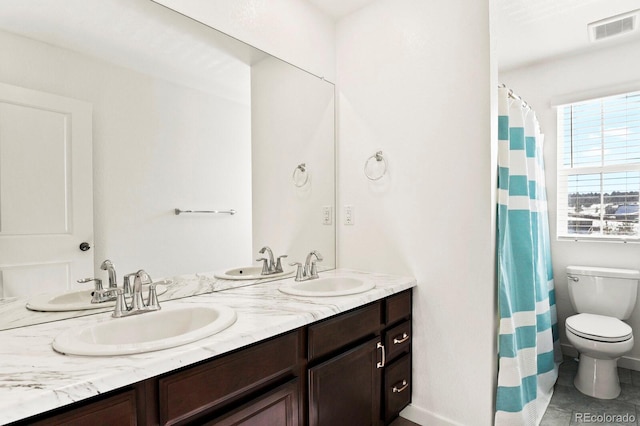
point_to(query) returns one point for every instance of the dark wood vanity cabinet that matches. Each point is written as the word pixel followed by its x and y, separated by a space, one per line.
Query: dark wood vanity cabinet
pixel 359 364
pixel 353 368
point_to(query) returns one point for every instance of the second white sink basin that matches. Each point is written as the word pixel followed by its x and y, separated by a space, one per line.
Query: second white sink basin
pixel 249 273
pixel 147 332
pixel 80 300
pixel 329 286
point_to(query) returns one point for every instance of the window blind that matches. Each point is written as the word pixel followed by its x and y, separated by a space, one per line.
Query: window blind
pixel 599 168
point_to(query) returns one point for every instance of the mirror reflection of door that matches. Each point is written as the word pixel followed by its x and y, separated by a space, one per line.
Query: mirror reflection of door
pixel 46 195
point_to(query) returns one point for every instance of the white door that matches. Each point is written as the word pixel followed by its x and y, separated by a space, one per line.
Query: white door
pixel 46 191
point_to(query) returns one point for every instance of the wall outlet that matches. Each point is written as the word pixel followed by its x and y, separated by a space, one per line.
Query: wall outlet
pixel 327 215
pixel 348 215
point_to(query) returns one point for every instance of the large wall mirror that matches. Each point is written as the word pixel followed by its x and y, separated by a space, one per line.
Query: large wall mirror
pixel 172 115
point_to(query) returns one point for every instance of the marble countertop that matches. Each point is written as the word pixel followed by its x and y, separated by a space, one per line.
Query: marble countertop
pixel 35 379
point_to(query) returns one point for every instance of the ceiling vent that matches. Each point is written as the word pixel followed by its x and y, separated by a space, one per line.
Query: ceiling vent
pixel 614 26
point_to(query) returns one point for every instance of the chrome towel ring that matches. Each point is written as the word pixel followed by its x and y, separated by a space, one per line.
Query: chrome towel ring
pixel 374 174
pixel 300 175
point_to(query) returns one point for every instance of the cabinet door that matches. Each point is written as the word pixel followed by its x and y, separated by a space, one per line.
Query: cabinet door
pixel 346 388
pixel 276 408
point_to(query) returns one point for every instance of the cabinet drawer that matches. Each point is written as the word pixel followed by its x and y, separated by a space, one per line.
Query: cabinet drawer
pixel 119 409
pixel 397 386
pixel 199 389
pixel 397 340
pixel 398 307
pixel 339 332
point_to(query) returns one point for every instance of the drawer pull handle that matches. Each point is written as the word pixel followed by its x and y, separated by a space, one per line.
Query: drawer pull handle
pixel 381 346
pixel 398 340
pixel 402 387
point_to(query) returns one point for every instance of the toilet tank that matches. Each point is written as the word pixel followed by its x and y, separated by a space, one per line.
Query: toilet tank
pixel 603 291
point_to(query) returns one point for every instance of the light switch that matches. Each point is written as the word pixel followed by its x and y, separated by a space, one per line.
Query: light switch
pixel 327 215
pixel 348 215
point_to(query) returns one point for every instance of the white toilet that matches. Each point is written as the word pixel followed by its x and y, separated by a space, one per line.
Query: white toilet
pixel 602 297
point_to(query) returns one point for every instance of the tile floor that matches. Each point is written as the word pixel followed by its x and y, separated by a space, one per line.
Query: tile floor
pixel 568 404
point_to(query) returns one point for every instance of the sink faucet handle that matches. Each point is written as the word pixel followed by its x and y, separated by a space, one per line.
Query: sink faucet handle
pixel 299 270
pixel 152 300
pixel 265 265
pixel 279 263
pixel 121 304
pixel 97 283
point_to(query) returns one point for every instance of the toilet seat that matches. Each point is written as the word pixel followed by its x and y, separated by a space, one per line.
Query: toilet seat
pixel 599 328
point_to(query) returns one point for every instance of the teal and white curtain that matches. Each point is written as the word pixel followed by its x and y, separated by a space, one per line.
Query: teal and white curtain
pixel 528 347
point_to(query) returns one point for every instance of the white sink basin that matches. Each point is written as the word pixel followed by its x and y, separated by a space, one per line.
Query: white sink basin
pixel 330 286
pixel 147 332
pixel 80 300
pixel 249 273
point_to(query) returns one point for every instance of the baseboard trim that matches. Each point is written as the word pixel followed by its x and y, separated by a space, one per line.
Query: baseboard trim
pixel 424 417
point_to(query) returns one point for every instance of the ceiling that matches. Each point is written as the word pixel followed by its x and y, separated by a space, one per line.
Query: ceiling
pixel 135 31
pixel 530 31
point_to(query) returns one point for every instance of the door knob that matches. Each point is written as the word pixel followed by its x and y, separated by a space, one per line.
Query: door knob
pixel 84 246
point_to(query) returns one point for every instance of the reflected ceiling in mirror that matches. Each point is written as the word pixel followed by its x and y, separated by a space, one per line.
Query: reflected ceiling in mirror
pixel 184 117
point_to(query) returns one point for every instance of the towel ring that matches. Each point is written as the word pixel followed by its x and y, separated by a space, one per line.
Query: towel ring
pixel 299 171
pixel 378 157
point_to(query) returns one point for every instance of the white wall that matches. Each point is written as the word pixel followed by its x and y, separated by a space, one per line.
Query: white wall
pixel 157 146
pixel 288 218
pixel 411 86
pixel 292 30
pixel 598 73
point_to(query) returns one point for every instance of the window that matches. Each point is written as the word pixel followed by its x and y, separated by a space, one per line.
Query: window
pixel 599 168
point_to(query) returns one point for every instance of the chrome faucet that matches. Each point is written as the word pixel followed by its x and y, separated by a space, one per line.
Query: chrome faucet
pixel 308 271
pixel 137 303
pixel 108 266
pixel 99 294
pixel 269 266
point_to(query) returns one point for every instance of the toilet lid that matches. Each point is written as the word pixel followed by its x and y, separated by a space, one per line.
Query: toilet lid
pixel 599 327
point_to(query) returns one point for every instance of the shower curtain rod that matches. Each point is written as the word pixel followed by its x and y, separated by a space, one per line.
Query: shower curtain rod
pixel 515 97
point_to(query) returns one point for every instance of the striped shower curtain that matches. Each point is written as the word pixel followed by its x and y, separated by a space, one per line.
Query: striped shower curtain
pixel 528 347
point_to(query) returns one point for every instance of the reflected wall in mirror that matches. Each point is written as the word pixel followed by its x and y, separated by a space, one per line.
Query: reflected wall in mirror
pixel 185 117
